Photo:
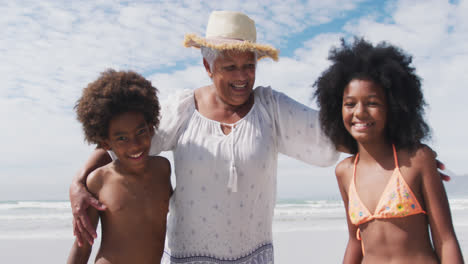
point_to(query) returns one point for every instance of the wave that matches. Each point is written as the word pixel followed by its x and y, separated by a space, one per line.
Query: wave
pixel 13 205
pixel 60 210
pixel 36 216
pixel 53 219
pixel 458 204
pixel 65 234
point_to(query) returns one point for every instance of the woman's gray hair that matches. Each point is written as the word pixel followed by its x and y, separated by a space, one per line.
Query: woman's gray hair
pixel 210 55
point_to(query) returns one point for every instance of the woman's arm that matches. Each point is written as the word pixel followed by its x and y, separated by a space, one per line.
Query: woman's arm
pixel 353 253
pixel 298 131
pixel 437 207
pixel 81 199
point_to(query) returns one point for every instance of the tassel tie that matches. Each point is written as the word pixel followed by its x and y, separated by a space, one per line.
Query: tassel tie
pixel 232 182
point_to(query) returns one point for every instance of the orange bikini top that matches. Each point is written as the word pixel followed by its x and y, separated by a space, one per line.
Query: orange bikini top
pixel 397 200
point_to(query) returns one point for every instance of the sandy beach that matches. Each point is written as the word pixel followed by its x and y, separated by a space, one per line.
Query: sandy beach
pixel 290 247
pixel 309 246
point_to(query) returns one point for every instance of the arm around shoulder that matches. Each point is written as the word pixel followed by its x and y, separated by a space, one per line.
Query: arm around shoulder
pixel 298 130
pixel 81 199
pixel 79 196
pixel 79 254
pixel 437 207
pixel 176 111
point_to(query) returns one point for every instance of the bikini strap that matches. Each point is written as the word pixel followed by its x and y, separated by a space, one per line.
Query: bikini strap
pixel 395 157
pixel 355 163
pixel 358 236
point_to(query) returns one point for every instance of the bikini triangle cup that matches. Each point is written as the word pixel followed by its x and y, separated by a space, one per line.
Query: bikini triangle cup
pixel 397 199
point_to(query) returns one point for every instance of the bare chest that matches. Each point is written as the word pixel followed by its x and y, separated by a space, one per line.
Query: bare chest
pixel 147 201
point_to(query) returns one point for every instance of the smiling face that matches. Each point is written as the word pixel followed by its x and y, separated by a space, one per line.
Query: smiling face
pixel 233 76
pixel 130 138
pixel 364 111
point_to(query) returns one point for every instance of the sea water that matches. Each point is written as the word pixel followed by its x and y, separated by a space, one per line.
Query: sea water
pixel 35 220
pixel 53 219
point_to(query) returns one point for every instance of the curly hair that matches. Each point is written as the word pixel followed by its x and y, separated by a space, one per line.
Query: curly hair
pixel 114 93
pixel 390 68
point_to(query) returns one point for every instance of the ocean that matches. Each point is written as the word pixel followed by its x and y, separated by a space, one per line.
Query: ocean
pixel 303 229
pixel 22 220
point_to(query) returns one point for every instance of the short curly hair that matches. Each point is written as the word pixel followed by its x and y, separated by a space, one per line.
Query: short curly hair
pixel 390 68
pixel 114 93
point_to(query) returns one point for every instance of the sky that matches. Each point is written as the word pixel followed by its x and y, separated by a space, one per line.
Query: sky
pixel 50 50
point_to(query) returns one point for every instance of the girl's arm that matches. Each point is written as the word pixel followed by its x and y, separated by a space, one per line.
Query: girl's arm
pixel 79 254
pixel 353 253
pixel 437 207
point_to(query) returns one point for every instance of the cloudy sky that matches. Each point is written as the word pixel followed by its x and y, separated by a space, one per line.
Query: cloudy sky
pixel 50 50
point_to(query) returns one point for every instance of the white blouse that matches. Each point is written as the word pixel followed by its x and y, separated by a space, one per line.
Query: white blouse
pixel 222 207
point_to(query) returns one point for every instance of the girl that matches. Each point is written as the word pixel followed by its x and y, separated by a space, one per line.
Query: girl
pixel 371 102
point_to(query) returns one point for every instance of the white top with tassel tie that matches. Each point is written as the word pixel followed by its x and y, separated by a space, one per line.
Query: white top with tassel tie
pixel 223 203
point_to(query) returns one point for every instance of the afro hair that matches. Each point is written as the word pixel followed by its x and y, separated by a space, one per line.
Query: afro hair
pixel 114 93
pixel 390 68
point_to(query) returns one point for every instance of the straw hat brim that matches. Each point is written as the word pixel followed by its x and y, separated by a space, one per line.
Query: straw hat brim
pixel 262 50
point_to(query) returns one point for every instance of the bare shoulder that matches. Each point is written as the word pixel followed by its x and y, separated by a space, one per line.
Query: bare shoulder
pixel 97 178
pixel 201 95
pixel 343 166
pixel 421 157
pixel 344 169
pixel 419 163
pixel 201 90
pixel 161 165
pixel 425 153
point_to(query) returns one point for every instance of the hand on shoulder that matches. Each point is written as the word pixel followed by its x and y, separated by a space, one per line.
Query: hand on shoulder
pixel 439 164
pixel 424 156
pixel 425 151
pixel 423 161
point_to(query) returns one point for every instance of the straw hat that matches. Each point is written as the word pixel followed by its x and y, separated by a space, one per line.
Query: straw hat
pixel 229 30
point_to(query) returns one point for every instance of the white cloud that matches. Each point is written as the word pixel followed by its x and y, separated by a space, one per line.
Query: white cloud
pixel 50 50
pixel 435 33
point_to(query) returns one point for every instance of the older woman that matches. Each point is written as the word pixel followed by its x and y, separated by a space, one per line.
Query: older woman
pixel 225 138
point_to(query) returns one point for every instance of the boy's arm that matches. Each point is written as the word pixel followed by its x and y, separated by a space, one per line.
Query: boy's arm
pixel 437 207
pixel 80 254
pixel 353 253
pixel 81 199
pixel 167 166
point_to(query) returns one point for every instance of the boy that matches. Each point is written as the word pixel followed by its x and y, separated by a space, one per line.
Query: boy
pixel 119 112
